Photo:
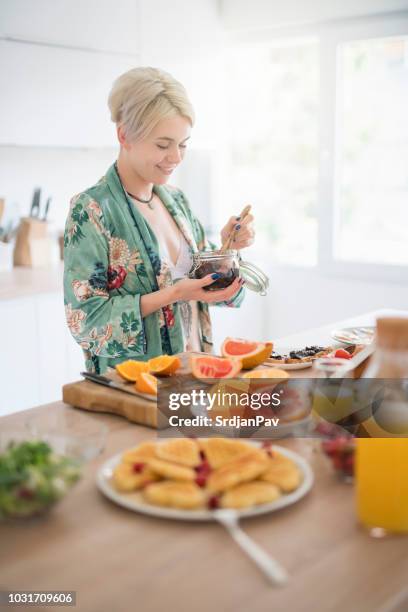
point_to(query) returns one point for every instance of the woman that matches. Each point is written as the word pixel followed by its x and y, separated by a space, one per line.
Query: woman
pixel 129 239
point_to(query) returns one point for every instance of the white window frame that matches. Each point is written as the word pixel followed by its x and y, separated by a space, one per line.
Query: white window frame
pixel 330 35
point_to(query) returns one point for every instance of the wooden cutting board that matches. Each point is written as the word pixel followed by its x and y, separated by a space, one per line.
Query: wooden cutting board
pixel 97 398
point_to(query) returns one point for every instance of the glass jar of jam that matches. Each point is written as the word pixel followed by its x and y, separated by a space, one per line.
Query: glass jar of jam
pixel 229 265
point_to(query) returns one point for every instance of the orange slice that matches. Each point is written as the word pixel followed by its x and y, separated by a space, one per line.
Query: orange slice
pixel 130 369
pixel 262 379
pixel 146 383
pixel 266 373
pixel 164 365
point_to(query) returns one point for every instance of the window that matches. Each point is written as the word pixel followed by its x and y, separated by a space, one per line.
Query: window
pixel 317 139
pixel 372 172
pixel 272 134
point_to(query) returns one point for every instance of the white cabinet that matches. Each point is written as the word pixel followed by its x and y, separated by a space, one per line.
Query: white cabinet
pixel 38 355
pixel 75 358
pixel 108 25
pixel 19 372
pixel 61 57
pixel 58 364
pixel 57 97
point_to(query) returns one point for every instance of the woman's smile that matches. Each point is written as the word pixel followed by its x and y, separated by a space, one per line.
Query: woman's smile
pixel 166 170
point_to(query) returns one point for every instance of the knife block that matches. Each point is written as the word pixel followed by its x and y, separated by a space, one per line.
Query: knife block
pixel 33 247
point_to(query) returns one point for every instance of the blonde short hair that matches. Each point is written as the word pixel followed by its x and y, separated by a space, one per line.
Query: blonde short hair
pixel 141 97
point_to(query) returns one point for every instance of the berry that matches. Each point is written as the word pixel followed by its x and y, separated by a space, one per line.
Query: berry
pixel 214 502
pixel 348 464
pixel 204 466
pixel 138 467
pixel 342 354
pixel 201 480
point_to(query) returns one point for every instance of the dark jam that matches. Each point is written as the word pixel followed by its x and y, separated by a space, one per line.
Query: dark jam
pixel 227 273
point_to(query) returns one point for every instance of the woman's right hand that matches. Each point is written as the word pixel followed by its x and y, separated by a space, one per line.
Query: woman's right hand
pixel 193 289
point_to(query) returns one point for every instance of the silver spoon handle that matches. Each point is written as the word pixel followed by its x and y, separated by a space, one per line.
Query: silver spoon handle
pixel 267 564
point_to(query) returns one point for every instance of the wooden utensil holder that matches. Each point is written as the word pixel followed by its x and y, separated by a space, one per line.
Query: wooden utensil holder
pixel 33 247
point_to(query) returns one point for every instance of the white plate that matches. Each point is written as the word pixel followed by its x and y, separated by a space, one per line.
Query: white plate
pixel 354 335
pixel 135 501
pixel 289 366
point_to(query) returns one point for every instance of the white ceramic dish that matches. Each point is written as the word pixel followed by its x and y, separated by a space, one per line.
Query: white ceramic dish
pixel 136 503
pixel 354 335
pixel 289 366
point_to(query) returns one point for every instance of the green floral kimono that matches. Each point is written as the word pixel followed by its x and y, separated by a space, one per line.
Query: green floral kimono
pixel 111 259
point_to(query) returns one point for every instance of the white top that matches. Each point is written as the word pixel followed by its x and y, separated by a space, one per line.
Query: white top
pixel 180 269
pixel 188 310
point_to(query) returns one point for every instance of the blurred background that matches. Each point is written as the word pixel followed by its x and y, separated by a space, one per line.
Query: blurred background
pixel 301 111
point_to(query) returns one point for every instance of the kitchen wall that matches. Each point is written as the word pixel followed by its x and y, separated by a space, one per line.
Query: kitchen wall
pixel 302 298
pixel 60 172
pixel 55 130
pixel 64 171
pixel 263 14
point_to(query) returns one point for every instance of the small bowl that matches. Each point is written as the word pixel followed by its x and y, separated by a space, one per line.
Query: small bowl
pixel 73 438
pixel 70 433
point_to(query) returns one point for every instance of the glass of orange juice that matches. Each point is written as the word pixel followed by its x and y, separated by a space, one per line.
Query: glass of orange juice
pixel 382 484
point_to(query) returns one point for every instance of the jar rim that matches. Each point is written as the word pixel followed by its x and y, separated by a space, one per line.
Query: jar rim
pixel 215 254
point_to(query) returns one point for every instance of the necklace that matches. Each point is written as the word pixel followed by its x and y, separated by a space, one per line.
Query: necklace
pixel 148 202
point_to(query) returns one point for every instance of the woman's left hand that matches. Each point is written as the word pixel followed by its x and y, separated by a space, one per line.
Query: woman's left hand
pixel 245 234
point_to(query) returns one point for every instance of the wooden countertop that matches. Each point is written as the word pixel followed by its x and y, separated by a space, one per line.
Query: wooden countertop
pixel 22 281
pixel 119 561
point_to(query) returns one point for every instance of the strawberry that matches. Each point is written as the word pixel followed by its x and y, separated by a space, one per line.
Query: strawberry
pixel 342 354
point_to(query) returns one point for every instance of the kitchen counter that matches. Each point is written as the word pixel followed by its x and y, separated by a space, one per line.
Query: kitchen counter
pixel 23 281
pixel 119 561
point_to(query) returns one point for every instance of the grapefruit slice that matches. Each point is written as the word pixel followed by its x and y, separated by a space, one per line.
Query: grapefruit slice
pixel 164 365
pixel 250 352
pixel 130 369
pixel 206 367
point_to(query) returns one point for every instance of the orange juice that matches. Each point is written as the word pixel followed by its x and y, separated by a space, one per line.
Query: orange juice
pixel 382 483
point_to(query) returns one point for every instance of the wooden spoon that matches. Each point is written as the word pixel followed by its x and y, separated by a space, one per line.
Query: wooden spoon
pixel 230 239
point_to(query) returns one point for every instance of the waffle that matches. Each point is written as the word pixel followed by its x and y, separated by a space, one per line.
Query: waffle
pixel 182 450
pixel 183 495
pixel 242 469
pixel 215 472
pixel 143 452
pixel 172 471
pixel 282 472
pixel 219 451
pixel 126 479
pixel 250 494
